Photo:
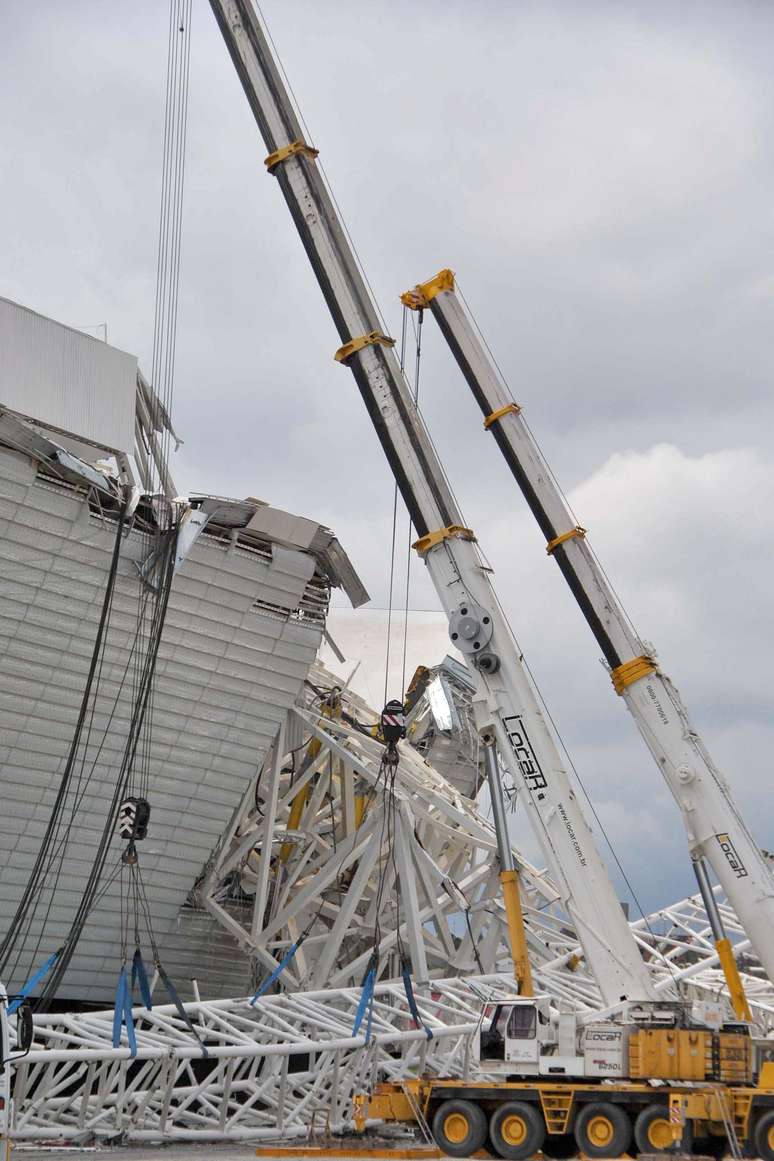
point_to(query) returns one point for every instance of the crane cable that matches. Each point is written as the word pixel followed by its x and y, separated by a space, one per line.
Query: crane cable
pixel 418 342
pixel 394 528
pixel 608 841
pixel 415 396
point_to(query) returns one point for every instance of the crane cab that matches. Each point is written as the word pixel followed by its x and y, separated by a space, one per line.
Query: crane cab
pixel 519 1037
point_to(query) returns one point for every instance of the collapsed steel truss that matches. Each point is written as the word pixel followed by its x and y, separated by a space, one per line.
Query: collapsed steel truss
pixel 413 866
pixel 286 1067
pixel 281 1068
pixel 406 862
pixel 289 1064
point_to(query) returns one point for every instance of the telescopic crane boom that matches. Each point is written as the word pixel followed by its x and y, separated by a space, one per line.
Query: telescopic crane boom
pixel 715 828
pixel 508 712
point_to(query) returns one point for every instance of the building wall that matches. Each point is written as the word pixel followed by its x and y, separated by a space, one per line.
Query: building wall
pixel 66 380
pixel 229 667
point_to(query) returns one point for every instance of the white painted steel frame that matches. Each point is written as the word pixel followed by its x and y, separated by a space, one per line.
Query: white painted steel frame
pixel 289 1066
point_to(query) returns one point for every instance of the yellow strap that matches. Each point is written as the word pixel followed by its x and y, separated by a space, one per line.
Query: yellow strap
pixel 345 353
pixel 577 531
pixel 501 411
pixel 631 671
pixel 425 543
pixel 424 292
pixel 287 151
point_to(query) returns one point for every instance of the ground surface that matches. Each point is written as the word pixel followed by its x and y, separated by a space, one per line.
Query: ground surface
pixel 214 1152
pixel 178 1152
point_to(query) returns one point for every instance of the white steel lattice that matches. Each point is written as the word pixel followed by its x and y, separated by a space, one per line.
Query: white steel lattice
pixel 289 1065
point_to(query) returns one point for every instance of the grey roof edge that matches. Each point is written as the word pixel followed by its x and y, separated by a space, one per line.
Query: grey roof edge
pixel 17 434
pixel 341 570
pixel 331 557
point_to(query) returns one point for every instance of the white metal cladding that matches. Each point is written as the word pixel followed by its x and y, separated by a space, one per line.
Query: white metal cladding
pixel 66 380
pixel 236 647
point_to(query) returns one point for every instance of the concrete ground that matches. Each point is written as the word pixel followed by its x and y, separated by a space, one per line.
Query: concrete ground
pixel 178 1152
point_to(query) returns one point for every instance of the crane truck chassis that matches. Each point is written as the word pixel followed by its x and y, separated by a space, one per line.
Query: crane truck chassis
pixel 651 1082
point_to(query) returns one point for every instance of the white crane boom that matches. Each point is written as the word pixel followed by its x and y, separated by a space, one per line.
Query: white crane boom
pixel 508 710
pixel 715 828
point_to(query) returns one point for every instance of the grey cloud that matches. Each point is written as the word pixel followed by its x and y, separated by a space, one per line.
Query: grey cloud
pixel 599 176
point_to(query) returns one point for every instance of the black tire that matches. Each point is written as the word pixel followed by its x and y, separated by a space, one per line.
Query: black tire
pixel 459 1128
pixel 603 1129
pixel 716 1146
pixel 653 1132
pixel 559 1146
pixel 516 1130
pixel 764 1136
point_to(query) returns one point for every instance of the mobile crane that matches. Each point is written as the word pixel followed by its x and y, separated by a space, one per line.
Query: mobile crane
pixel 717 833
pixel 509 717
pixel 544 1071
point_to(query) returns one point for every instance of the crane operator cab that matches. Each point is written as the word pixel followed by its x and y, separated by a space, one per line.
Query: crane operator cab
pixel 519 1037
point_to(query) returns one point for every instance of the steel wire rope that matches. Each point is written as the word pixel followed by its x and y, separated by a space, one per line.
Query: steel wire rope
pixel 545 461
pixel 527 667
pixel 532 677
pixel 135 772
pixel 417 363
pixel 177 218
pixel 394 529
pixel 163 232
pixel 81 789
pixel 92 884
pixel 9 940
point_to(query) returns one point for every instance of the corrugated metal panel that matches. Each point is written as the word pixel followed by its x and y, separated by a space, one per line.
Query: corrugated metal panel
pixel 227 674
pixel 66 380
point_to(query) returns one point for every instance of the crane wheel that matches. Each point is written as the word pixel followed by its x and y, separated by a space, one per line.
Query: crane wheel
pixel 459 1128
pixel 764 1137
pixel 653 1132
pixel 516 1130
pixel 560 1146
pixel 603 1129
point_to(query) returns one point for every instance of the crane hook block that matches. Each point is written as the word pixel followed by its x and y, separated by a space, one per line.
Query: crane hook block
pixel 279 155
pixel 133 818
pixel 345 353
pixel 631 671
pixel 424 292
pixel 393 722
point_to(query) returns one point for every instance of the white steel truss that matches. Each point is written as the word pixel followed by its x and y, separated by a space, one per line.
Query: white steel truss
pixel 411 867
pixel 289 1065
pixel 286 1067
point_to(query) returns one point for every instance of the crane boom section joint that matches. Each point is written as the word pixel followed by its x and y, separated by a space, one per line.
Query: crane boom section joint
pixel 631 671
pixel 501 411
pixel 279 155
pixel 345 353
pixel 425 543
pixel 577 531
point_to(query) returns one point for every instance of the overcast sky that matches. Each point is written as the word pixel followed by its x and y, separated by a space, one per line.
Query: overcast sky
pixel 599 175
